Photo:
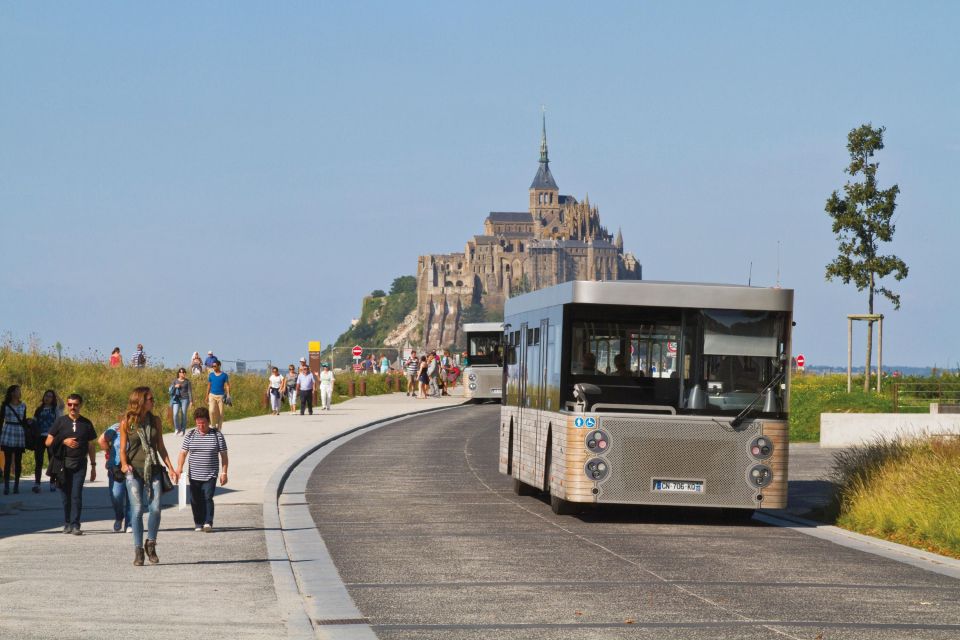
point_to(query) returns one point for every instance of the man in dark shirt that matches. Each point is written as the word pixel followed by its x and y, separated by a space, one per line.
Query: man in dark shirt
pixel 78 439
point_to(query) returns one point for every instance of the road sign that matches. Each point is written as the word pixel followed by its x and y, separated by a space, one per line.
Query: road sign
pixel 671 347
pixel 357 367
pixel 357 351
pixel 801 361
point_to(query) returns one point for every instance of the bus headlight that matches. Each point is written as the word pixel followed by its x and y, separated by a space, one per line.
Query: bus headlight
pixel 473 386
pixel 761 448
pixel 598 441
pixel 759 476
pixel 596 469
pixel 472 377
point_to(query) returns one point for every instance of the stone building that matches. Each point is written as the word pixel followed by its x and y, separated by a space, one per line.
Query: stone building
pixel 556 240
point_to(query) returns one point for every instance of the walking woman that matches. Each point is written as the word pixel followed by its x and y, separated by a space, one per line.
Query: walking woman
pixel 181 397
pixel 141 451
pixel 275 391
pixel 45 415
pixel 203 446
pixel 13 437
pixel 116 360
pixel 196 364
pixel 290 384
pixel 423 378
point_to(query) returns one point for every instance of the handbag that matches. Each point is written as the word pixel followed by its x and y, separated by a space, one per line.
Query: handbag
pixel 31 430
pixel 166 484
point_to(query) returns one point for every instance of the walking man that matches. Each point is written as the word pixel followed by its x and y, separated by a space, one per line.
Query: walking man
pixel 217 389
pixel 411 367
pixel 139 358
pixel 305 386
pixel 76 435
pixel 208 363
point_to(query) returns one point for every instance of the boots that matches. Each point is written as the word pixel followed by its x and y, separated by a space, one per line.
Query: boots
pixel 138 558
pixel 151 549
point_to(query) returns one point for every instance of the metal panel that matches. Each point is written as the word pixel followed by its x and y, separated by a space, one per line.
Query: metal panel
pixel 642 450
pixel 647 293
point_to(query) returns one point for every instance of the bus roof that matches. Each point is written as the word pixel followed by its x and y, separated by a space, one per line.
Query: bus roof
pixel 482 327
pixel 649 293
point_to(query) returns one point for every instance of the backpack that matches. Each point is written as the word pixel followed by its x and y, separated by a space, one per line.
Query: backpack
pixel 141 359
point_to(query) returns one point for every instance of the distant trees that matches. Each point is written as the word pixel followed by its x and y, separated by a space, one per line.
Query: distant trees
pixel 862 220
pixel 377 293
pixel 403 284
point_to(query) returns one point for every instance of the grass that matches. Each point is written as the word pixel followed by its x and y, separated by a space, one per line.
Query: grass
pixel 906 491
pixel 105 390
pixel 812 395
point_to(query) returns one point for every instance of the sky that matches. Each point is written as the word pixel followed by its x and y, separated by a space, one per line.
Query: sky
pixel 235 176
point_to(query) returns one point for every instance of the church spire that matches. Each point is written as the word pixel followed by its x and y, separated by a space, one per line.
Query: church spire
pixel 618 243
pixel 543 141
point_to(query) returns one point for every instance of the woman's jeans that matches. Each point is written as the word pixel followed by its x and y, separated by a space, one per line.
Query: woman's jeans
pixel 275 398
pixel 118 498
pixel 292 398
pixel 180 414
pixel 38 454
pixel 326 394
pixel 137 496
pixel 201 500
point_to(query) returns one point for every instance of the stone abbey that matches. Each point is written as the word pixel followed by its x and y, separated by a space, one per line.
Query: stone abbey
pixel 556 240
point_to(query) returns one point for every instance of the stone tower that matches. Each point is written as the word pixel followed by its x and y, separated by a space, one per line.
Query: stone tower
pixel 544 193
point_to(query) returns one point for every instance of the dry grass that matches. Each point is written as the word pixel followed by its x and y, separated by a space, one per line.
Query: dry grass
pixel 907 491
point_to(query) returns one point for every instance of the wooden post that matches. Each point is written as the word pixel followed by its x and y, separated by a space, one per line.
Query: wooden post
pixel 849 354
pixel 880 355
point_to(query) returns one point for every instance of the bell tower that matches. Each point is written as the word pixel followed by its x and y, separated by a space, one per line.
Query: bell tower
pixel 544 193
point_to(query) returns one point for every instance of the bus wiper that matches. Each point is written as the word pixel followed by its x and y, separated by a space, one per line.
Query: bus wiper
pixel 742 416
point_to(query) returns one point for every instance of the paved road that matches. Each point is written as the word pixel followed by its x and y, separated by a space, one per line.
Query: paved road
pixel 432 543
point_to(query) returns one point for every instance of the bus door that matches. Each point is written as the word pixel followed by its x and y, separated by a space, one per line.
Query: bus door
pixel 542 397
pixel 521 392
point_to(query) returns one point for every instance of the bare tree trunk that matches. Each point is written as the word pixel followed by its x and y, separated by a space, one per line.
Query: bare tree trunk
pixel 866 377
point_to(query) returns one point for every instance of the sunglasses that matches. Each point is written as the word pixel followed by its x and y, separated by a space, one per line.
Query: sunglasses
pixel 73 404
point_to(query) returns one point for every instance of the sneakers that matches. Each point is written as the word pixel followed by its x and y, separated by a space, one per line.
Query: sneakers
pixel 36 488
pixel 68 528
pixel 198 528
pixel 76 531
pixel 117 526
pixel 129 529
pixel 208 528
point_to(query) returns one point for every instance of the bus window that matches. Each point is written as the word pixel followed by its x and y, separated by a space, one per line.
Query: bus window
pixel 625 350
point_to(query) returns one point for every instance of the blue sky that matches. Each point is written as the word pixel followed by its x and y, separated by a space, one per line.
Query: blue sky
pixel 236 176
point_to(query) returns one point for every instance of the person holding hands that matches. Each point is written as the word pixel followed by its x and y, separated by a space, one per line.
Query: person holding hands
pixel 203 445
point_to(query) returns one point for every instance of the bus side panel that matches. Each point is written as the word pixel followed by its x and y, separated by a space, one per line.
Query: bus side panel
pixel 507 414
pixel 568 456
pixel 529 453
pixel 775 494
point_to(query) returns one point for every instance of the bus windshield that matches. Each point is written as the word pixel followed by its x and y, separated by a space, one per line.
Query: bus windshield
pixel 657 357
pixel 484 348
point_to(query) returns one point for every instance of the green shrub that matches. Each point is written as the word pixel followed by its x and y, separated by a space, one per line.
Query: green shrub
pixel 812 395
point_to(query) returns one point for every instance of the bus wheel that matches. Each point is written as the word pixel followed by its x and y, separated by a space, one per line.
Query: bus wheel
pixel 562 507
pixel 522 488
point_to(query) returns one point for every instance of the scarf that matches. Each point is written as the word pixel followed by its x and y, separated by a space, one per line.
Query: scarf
pixel 145 431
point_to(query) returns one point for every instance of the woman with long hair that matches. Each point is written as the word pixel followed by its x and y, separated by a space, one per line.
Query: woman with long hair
pixel 196 364
pixel 141 451
pixel 45 415
pixel 13 436
pixel 116 360
pixel 181 397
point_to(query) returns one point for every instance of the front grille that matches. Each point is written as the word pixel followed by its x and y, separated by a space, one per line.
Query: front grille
pixel 642 450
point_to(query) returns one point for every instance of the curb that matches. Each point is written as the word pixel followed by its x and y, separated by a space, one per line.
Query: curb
pixel 925 560
pixel 314 603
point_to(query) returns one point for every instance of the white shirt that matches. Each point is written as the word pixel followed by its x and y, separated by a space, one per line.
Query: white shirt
pixel 305 381
pixel 276 381
pixel 326 379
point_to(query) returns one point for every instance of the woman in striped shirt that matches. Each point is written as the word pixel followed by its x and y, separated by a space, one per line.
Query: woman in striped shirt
pixel 204 446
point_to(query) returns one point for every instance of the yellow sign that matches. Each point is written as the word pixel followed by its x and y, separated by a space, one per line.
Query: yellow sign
pixel 313 345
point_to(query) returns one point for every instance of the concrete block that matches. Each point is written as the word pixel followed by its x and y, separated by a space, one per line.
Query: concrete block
pixel 851 429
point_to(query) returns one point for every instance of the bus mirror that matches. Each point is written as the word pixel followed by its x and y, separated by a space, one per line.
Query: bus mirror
pixel 697 400
pixel 770 404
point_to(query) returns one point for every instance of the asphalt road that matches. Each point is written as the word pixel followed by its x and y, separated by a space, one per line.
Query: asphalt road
pixel 432 543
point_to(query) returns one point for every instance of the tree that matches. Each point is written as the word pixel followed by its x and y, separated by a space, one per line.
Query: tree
pixel 403 284
pixel 377 293
pixel 863 219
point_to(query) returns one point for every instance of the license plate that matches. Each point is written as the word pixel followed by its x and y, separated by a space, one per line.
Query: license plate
pixel 683 486
pixel 496 391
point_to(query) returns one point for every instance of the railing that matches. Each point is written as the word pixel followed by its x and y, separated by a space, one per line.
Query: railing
pixel 915 397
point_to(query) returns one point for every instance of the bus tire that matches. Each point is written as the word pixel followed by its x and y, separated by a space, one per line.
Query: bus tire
pixel 562 507
pixel 522 488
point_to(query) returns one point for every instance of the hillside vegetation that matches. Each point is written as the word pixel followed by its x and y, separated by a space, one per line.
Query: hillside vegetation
pixel 380 314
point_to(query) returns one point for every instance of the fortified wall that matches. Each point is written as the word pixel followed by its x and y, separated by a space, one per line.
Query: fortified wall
pixel 556 240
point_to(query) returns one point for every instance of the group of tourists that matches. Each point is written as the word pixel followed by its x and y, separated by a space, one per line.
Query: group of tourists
pixel 299 385
pixel 375 364
pixel 432 375
pixel 138 466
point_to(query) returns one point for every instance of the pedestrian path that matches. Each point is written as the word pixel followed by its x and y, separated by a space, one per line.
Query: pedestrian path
pixel 216 585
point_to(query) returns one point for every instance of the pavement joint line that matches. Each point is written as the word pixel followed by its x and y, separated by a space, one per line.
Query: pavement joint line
pixel 293 595
pixel 925 560
pixel 900 626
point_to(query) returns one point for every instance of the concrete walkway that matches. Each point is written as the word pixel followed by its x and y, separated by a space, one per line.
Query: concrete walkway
pixel 216 585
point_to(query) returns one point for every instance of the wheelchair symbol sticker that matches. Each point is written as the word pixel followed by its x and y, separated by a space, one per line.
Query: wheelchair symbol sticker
pixel 578 423
pixel 591 423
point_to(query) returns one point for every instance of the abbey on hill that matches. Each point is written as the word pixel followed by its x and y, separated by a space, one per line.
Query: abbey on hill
pixel 556 240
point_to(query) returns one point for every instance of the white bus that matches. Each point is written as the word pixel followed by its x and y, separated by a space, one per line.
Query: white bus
pixel 483 373
pixel 648 393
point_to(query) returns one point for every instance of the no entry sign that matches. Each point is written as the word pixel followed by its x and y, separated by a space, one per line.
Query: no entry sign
pixel 801 361
pixel 357 351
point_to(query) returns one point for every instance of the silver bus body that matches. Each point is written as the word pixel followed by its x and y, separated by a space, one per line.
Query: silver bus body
pixel 483 376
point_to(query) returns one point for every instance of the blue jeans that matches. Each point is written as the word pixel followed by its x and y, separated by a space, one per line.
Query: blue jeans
pixel 136 496
pixel 180 414
pixel 201 500
pixel 118 498
pixel 72 493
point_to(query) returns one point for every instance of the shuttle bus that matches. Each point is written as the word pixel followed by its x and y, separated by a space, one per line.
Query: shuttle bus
pixel 648 393
pixel 483 373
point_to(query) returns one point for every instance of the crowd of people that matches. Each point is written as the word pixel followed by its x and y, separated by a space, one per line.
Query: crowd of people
pixel 138 466
pixel 431 375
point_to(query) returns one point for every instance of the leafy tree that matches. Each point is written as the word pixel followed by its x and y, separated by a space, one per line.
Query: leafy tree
pixel 403 284
pixel 377 293
pixel 862 219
